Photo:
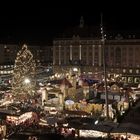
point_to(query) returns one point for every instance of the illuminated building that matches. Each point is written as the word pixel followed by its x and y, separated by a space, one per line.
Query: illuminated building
pixel 83 49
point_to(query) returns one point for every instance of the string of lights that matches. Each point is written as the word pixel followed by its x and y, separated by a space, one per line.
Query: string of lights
pixel 104 67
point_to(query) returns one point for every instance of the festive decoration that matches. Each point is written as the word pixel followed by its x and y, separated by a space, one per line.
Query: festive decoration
pixel 23 82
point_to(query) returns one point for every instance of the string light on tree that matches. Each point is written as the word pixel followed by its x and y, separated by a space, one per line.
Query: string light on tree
pixel 23 82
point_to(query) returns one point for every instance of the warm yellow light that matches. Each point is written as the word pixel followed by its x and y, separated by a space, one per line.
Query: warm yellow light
pixel 27 81
pixel 75 69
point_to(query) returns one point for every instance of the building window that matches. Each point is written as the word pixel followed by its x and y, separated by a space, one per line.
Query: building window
pixel 137 71
pixel 124 79
pixel 130 71
pixel 130 79
pixel 124 70
pixel 136 80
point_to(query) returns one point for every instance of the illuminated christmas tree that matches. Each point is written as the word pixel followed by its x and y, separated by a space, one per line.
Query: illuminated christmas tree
pixel 23 82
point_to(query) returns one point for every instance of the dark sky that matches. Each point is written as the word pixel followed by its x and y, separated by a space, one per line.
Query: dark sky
pixel 40 23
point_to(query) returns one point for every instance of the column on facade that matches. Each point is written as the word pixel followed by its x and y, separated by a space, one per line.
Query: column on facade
pixel 54 54
pixel 80 57
pixel 114 57
pixel 134 55
pixel 59 54
pixel 87 55
pixel 127 58
pixel 109 56
pixel 122 60
pixel 93 54
pixel 71 52
pixel 100 55
pixel 65 55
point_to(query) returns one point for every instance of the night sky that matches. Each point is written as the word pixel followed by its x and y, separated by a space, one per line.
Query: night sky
pixel 41 23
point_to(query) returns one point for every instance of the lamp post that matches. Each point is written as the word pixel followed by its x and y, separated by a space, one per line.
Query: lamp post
pixel 104 69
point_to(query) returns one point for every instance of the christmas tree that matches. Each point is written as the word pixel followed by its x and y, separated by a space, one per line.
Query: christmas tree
pixel 23 82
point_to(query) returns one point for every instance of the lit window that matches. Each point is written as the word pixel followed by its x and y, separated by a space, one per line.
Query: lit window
pixel 90 72
pixel 136 80
pixel 130 71
pixel 137 71
pixel 5 72
pixel 124 70
pixel 124 79
pixel 130 79
pixel 8 72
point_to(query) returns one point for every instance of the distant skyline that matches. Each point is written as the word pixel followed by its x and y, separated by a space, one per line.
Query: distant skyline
pixel 42 23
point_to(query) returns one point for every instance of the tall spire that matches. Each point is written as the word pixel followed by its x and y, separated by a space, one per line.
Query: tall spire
pixel 102 29
pixel 81 22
